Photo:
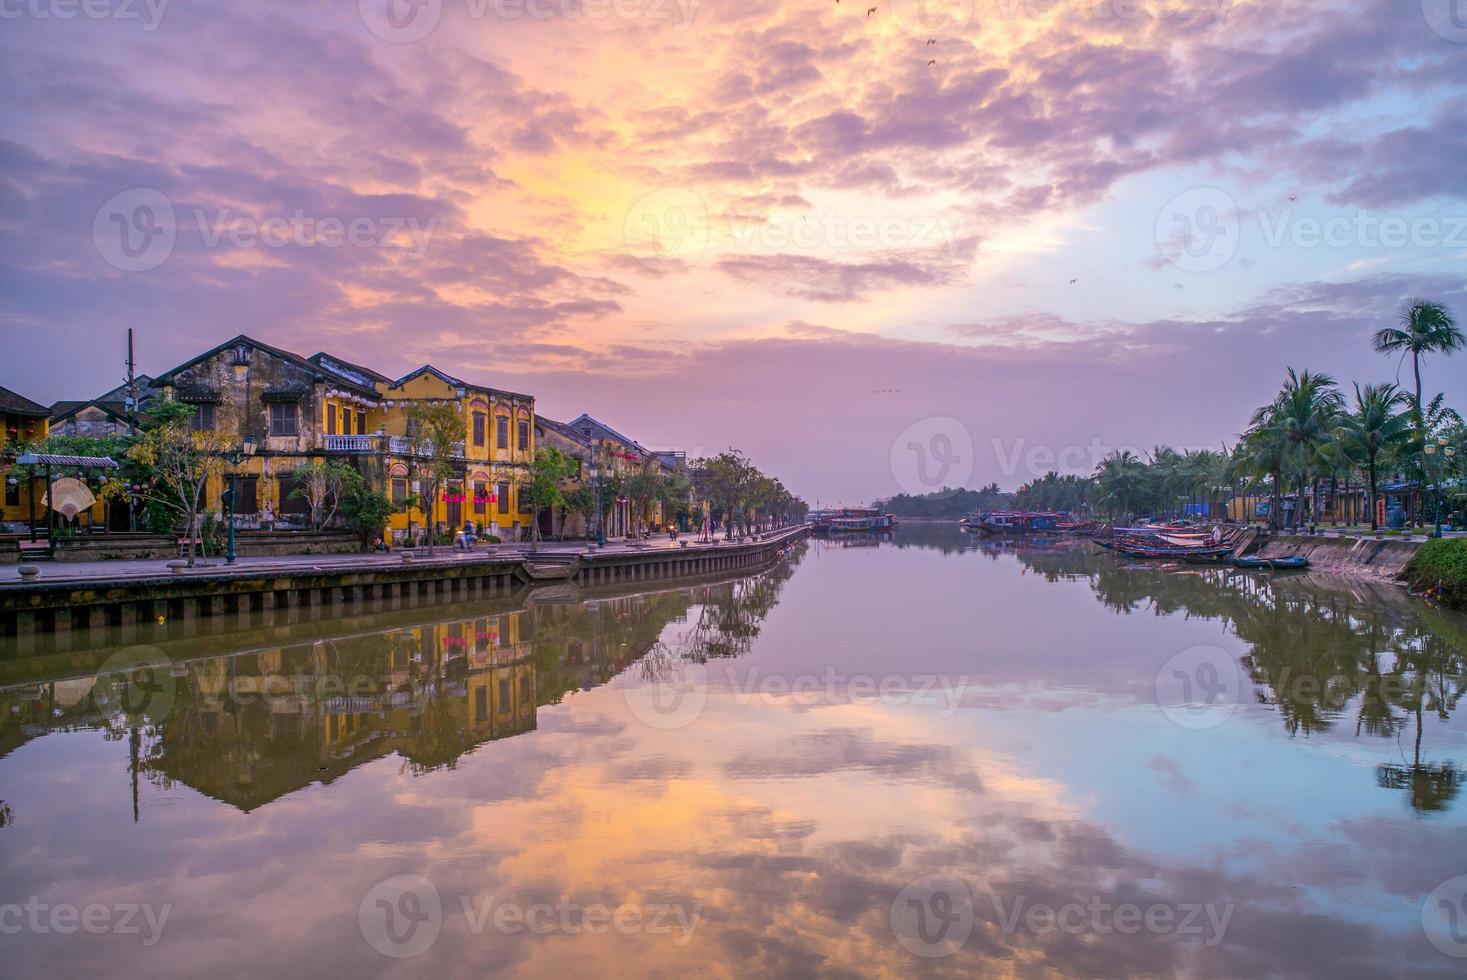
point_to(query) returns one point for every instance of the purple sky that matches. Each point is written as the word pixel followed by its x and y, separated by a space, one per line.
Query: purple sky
pixel 770 226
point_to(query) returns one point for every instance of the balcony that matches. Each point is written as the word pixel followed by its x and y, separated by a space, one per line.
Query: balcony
pixel 349 444
pixel 376 443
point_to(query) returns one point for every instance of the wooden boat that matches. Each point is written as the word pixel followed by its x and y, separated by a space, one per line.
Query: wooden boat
pixel 1256 562
pixel 861 519
pixel 1140 551
pixel 1015 522
pixel 549 568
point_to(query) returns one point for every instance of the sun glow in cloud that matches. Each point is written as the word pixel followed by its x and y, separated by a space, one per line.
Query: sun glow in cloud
pixel 619 195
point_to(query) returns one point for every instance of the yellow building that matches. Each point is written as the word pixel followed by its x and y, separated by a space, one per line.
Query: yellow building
pixel 497 449
pixel 24 425
pixel 288 410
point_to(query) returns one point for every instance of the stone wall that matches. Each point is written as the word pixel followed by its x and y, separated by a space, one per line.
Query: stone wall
pixel 1377 558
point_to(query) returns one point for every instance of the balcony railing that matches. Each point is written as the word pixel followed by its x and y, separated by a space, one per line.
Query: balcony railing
pixel 396 445
pixel 348 444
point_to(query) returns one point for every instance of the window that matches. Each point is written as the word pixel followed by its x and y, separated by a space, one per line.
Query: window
pixel 481 495
pixel 481 428
pixel 501 432
pixel 361 421
pixel 290 501
pixel 503 501
pixel 203 417
pixel 330 420
pixel 524 435
pixel 12 494
pixel 284 419
pixel 399 490
pixel 249 495
pixel 481 702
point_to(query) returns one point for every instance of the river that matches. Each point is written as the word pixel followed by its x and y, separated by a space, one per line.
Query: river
pixel 931 754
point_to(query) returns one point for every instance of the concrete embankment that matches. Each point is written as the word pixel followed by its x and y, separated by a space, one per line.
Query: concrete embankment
pixel 1381 559
pixel 141 610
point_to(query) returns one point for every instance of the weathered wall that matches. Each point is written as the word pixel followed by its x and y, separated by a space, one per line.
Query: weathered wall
pixel 1382 558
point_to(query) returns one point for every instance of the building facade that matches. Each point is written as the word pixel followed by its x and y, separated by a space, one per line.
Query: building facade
pixel 22 423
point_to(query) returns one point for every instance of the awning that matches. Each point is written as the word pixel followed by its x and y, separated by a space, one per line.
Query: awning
pixel 86 462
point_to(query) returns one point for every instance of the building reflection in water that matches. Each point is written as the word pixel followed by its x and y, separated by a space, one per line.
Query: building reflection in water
pixel 250 727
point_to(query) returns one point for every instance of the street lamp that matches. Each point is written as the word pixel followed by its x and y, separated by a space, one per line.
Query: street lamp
pixel 1431 451
pixel 600 517
pixel 234 457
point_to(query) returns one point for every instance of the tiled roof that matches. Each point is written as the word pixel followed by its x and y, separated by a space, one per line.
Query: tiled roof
pixel 17 404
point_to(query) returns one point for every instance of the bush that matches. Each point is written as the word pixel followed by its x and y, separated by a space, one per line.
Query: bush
pixel 1439 568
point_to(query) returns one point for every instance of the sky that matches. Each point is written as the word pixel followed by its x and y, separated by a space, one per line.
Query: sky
pixel 877 245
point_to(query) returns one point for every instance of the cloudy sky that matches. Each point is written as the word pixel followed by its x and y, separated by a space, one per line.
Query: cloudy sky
pixel 876 249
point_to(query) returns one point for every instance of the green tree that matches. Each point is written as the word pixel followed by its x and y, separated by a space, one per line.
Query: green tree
pixel 1423 327
pixel 323 484
pixel 367 510
pixel 540 486
pixel 1375 426
pixel 180 461
pixel 435 434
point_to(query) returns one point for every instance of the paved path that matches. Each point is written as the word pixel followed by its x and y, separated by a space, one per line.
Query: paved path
pixel 99 571
pixel 153 568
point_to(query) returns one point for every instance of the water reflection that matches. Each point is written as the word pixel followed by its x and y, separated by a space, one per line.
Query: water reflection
pixel 499 751
pixel 249 727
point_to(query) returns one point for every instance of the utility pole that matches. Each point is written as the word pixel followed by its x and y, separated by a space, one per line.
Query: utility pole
pixel 132 384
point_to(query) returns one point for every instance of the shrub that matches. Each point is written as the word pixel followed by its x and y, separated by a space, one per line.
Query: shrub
pixel 1439 568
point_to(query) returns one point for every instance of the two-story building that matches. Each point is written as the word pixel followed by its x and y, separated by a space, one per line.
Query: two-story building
pixel 22 423
pixel 496 451
pixel 290 409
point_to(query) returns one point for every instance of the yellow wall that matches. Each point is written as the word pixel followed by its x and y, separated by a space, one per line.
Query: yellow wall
pixel 493 461
pixel 15 431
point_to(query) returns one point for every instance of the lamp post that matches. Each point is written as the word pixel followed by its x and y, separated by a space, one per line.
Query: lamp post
pixel 235 457
pixel 600 516
pixel 1431 450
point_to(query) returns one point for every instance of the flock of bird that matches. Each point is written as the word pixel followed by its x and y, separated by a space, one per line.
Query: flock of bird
pixel 930 41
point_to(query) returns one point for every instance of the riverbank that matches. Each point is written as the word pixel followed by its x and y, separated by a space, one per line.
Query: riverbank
pixel 139 604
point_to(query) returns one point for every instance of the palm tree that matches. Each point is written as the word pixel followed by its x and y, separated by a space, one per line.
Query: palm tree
pixel 1424 327
pixel 1290 435
pixel 1123 483
pixel 1374 426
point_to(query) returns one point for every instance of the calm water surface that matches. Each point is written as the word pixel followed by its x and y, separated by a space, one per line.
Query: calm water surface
pixel 933 755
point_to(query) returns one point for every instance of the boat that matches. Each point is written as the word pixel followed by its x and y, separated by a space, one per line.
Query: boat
pixel 860 519
pixel 1015 522
pixel 1188 554
pixel 1257 562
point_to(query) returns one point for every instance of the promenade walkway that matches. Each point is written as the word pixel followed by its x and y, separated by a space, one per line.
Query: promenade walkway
pixel 108 571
